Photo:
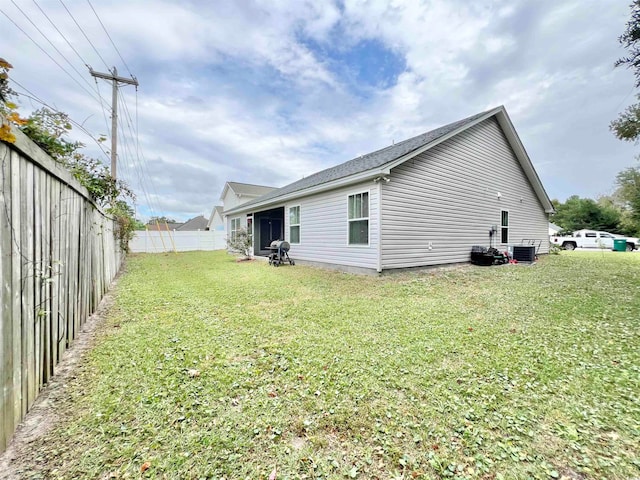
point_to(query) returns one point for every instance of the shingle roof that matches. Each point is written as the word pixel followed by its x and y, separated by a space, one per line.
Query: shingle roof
pixel 366 162
pixel 249 189
pixel 193 224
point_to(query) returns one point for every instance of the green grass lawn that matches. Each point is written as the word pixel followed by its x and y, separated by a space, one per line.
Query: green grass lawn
pixel 208 368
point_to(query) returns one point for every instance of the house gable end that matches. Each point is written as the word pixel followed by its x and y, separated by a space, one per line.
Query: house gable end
pixel 450 196
pixel 513 139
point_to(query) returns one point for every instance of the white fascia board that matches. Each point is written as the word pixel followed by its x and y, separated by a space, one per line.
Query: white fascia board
pixel 323 187
pixel 211 217
pixel 224 191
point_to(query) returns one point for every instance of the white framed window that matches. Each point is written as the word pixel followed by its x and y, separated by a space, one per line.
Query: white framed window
pixel 294 224
pixel 504 226
pixel 235 228
pixel 359 219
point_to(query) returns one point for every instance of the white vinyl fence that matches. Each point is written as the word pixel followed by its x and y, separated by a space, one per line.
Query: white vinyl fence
pixel 163 241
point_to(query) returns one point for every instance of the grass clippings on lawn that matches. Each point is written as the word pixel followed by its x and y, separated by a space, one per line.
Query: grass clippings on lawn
pixel 208 368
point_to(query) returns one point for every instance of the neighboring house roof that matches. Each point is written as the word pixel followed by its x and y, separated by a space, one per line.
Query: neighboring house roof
pixel 245 189
pixel 381 161
pixel 193 224
pixel 217 208
pixel 554 227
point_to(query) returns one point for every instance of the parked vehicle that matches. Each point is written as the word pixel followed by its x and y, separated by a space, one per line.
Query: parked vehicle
pixel 592 239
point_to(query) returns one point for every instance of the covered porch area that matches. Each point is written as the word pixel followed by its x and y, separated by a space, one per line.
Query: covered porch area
pixel 268 226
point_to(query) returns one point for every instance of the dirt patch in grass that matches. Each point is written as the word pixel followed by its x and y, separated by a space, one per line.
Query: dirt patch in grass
pixel 53 401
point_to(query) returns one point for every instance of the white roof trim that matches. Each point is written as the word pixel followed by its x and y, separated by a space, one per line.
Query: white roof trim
pixel 224 190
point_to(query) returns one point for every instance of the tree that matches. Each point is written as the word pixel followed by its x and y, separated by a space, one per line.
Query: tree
pixel 5 90
pixel 163 219
pixel 139 225
pixel 627 125
pixel 628 192
pixel 578 213
pixel 48 129
pixel 8 110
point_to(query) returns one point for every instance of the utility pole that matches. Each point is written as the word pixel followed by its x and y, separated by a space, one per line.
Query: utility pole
pixel 115 79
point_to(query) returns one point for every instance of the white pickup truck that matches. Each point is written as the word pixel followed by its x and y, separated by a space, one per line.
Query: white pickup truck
pixel 592 239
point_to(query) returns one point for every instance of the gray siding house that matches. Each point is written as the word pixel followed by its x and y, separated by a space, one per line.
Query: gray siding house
pixel 424 201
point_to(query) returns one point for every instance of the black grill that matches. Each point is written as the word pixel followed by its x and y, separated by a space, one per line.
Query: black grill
pixel 279 253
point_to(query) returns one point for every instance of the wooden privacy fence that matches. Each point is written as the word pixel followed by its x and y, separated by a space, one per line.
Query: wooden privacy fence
pixel 58 255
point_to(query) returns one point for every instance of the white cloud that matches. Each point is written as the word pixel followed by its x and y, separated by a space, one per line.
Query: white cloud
pixel 239 91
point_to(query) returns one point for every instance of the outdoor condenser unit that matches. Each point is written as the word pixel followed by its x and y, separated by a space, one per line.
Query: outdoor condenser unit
pixel 524 253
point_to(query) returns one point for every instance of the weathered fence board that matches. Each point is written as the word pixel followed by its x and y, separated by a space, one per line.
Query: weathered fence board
pixel 6 320
pixel 16 293
pixel 58 255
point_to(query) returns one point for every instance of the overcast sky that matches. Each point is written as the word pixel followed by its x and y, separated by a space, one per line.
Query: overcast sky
pixel 266 92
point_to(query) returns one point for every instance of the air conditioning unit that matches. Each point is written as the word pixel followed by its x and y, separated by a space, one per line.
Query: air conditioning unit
pixel 524 253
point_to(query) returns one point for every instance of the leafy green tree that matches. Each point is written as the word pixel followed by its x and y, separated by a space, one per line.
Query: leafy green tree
pixel 627 125
pixel 125 223
pixel 8 110
pixel 5 90
pixel 578 213
pixel 48 129
pixel 628 193
pixel 160 220
pixel 138 225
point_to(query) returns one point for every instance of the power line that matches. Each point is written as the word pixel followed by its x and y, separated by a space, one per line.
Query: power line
pixel 149 202
pixel 143 169
pixel 110 39
pixel 51 43
pixel 85 35
pixel 137 166
pixel 35 98
pixel 126 134
pixel 124 152
pixel 104 112
pixel 61 34
pixel 144 165
pixel 47 54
